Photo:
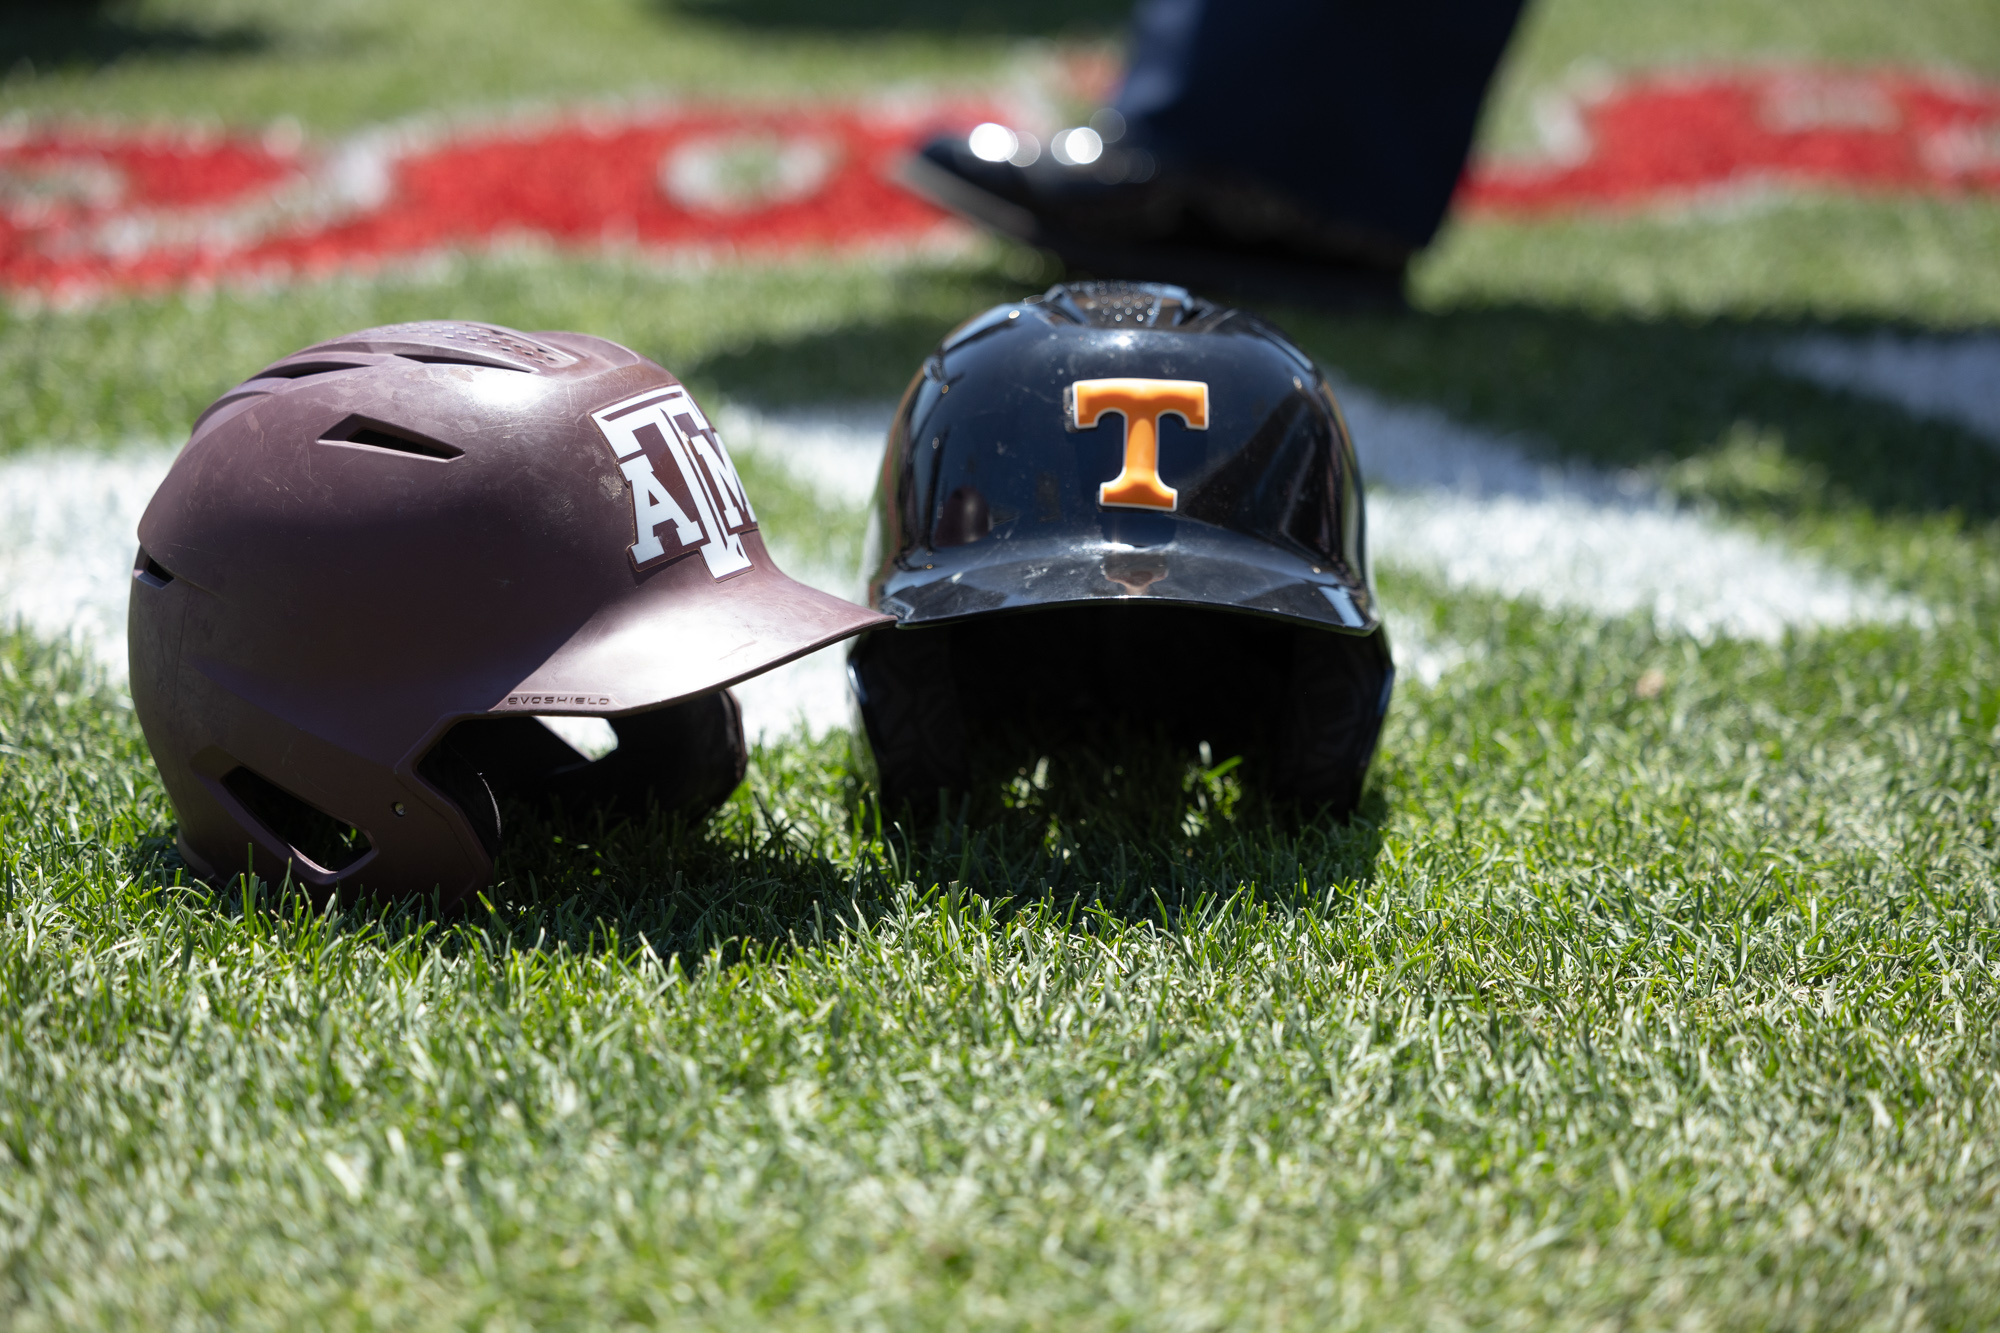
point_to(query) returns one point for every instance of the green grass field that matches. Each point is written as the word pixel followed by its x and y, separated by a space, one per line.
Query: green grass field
pixel 1656 986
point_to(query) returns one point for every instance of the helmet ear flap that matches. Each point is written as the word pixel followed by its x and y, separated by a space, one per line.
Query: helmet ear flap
pixel 1332 716
pixel 448 770
pixel 908 698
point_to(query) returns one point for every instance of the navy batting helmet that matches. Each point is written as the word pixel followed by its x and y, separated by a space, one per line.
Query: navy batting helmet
pixel 1118 503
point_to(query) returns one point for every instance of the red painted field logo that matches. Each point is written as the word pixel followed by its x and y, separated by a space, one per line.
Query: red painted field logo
pixel 1682 137
pixel 83 210
pixel 89 209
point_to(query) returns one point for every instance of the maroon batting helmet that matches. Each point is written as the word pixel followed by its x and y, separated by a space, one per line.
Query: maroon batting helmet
pixel 379 558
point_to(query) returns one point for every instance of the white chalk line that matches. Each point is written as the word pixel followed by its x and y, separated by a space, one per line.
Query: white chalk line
pixel 834 450
pixel 1688 573
pixel 1476 511
pixel 68 535
pixel 1470 508
pixel 1955 379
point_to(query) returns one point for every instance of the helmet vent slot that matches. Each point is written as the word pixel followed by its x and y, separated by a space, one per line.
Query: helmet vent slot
pixel 1120 304
pixel 322 842
pixel 447 359
pixel 300 370
pixel 458 343
pixel 151 572
pixel 441 342
pixel 375 435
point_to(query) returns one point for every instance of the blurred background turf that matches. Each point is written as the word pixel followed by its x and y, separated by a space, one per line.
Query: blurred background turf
pixel 1678 289
pixel 341 63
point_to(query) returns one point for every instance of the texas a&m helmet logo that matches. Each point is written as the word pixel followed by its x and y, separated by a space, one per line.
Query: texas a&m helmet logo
pixel 1142 403
pixel 685 492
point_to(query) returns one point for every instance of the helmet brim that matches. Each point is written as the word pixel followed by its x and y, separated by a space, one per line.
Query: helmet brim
pixel 684 635
pixel 1201 566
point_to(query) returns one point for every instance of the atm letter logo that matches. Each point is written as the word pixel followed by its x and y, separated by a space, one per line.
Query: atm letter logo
pixel 1142 403
pixel 686 495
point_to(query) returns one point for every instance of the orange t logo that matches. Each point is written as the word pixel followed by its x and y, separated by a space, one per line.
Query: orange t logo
pixel 1143 403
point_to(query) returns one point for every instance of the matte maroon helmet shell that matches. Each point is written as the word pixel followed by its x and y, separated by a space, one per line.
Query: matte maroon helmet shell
pixel 382 536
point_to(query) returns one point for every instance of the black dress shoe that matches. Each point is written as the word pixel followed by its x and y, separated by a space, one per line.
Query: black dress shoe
pixel 1113 211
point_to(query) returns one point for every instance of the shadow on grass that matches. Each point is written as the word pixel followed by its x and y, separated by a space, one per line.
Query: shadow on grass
pixel 1126 822
pixel 1699 404
pixel 1156 848
pixel 1020 18
pixel 61 34
pixel 856 361
pixel 770 874
pixel 868 359
pixel 1109 859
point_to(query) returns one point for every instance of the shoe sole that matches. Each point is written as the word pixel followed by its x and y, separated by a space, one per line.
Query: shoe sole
pixel 1245 277
pixel 1258 279
pixel 955 194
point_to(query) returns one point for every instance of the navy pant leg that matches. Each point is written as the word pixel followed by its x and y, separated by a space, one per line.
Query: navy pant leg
pixel 1362 109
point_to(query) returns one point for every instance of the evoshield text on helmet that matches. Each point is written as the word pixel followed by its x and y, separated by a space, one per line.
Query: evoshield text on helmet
pixel 376 561
pixel 1119 502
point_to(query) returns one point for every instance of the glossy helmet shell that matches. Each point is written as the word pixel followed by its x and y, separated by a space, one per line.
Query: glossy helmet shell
pixel 1038 571
pixel 377 560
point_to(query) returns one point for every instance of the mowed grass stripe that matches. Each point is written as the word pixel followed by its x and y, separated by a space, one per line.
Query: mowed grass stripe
pixel 1610 1006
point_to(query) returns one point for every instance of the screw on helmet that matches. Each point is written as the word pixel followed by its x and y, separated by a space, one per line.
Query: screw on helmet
pixel 377 560
pixel 1113 505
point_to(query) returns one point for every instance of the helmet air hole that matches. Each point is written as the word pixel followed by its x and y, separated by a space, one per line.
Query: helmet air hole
pixel 151 572
pixel 1115 304
pixel 447 359
pixel 964 518
pixel 300 370
pixel 375 435
pixel 446 342
pixel 324 843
